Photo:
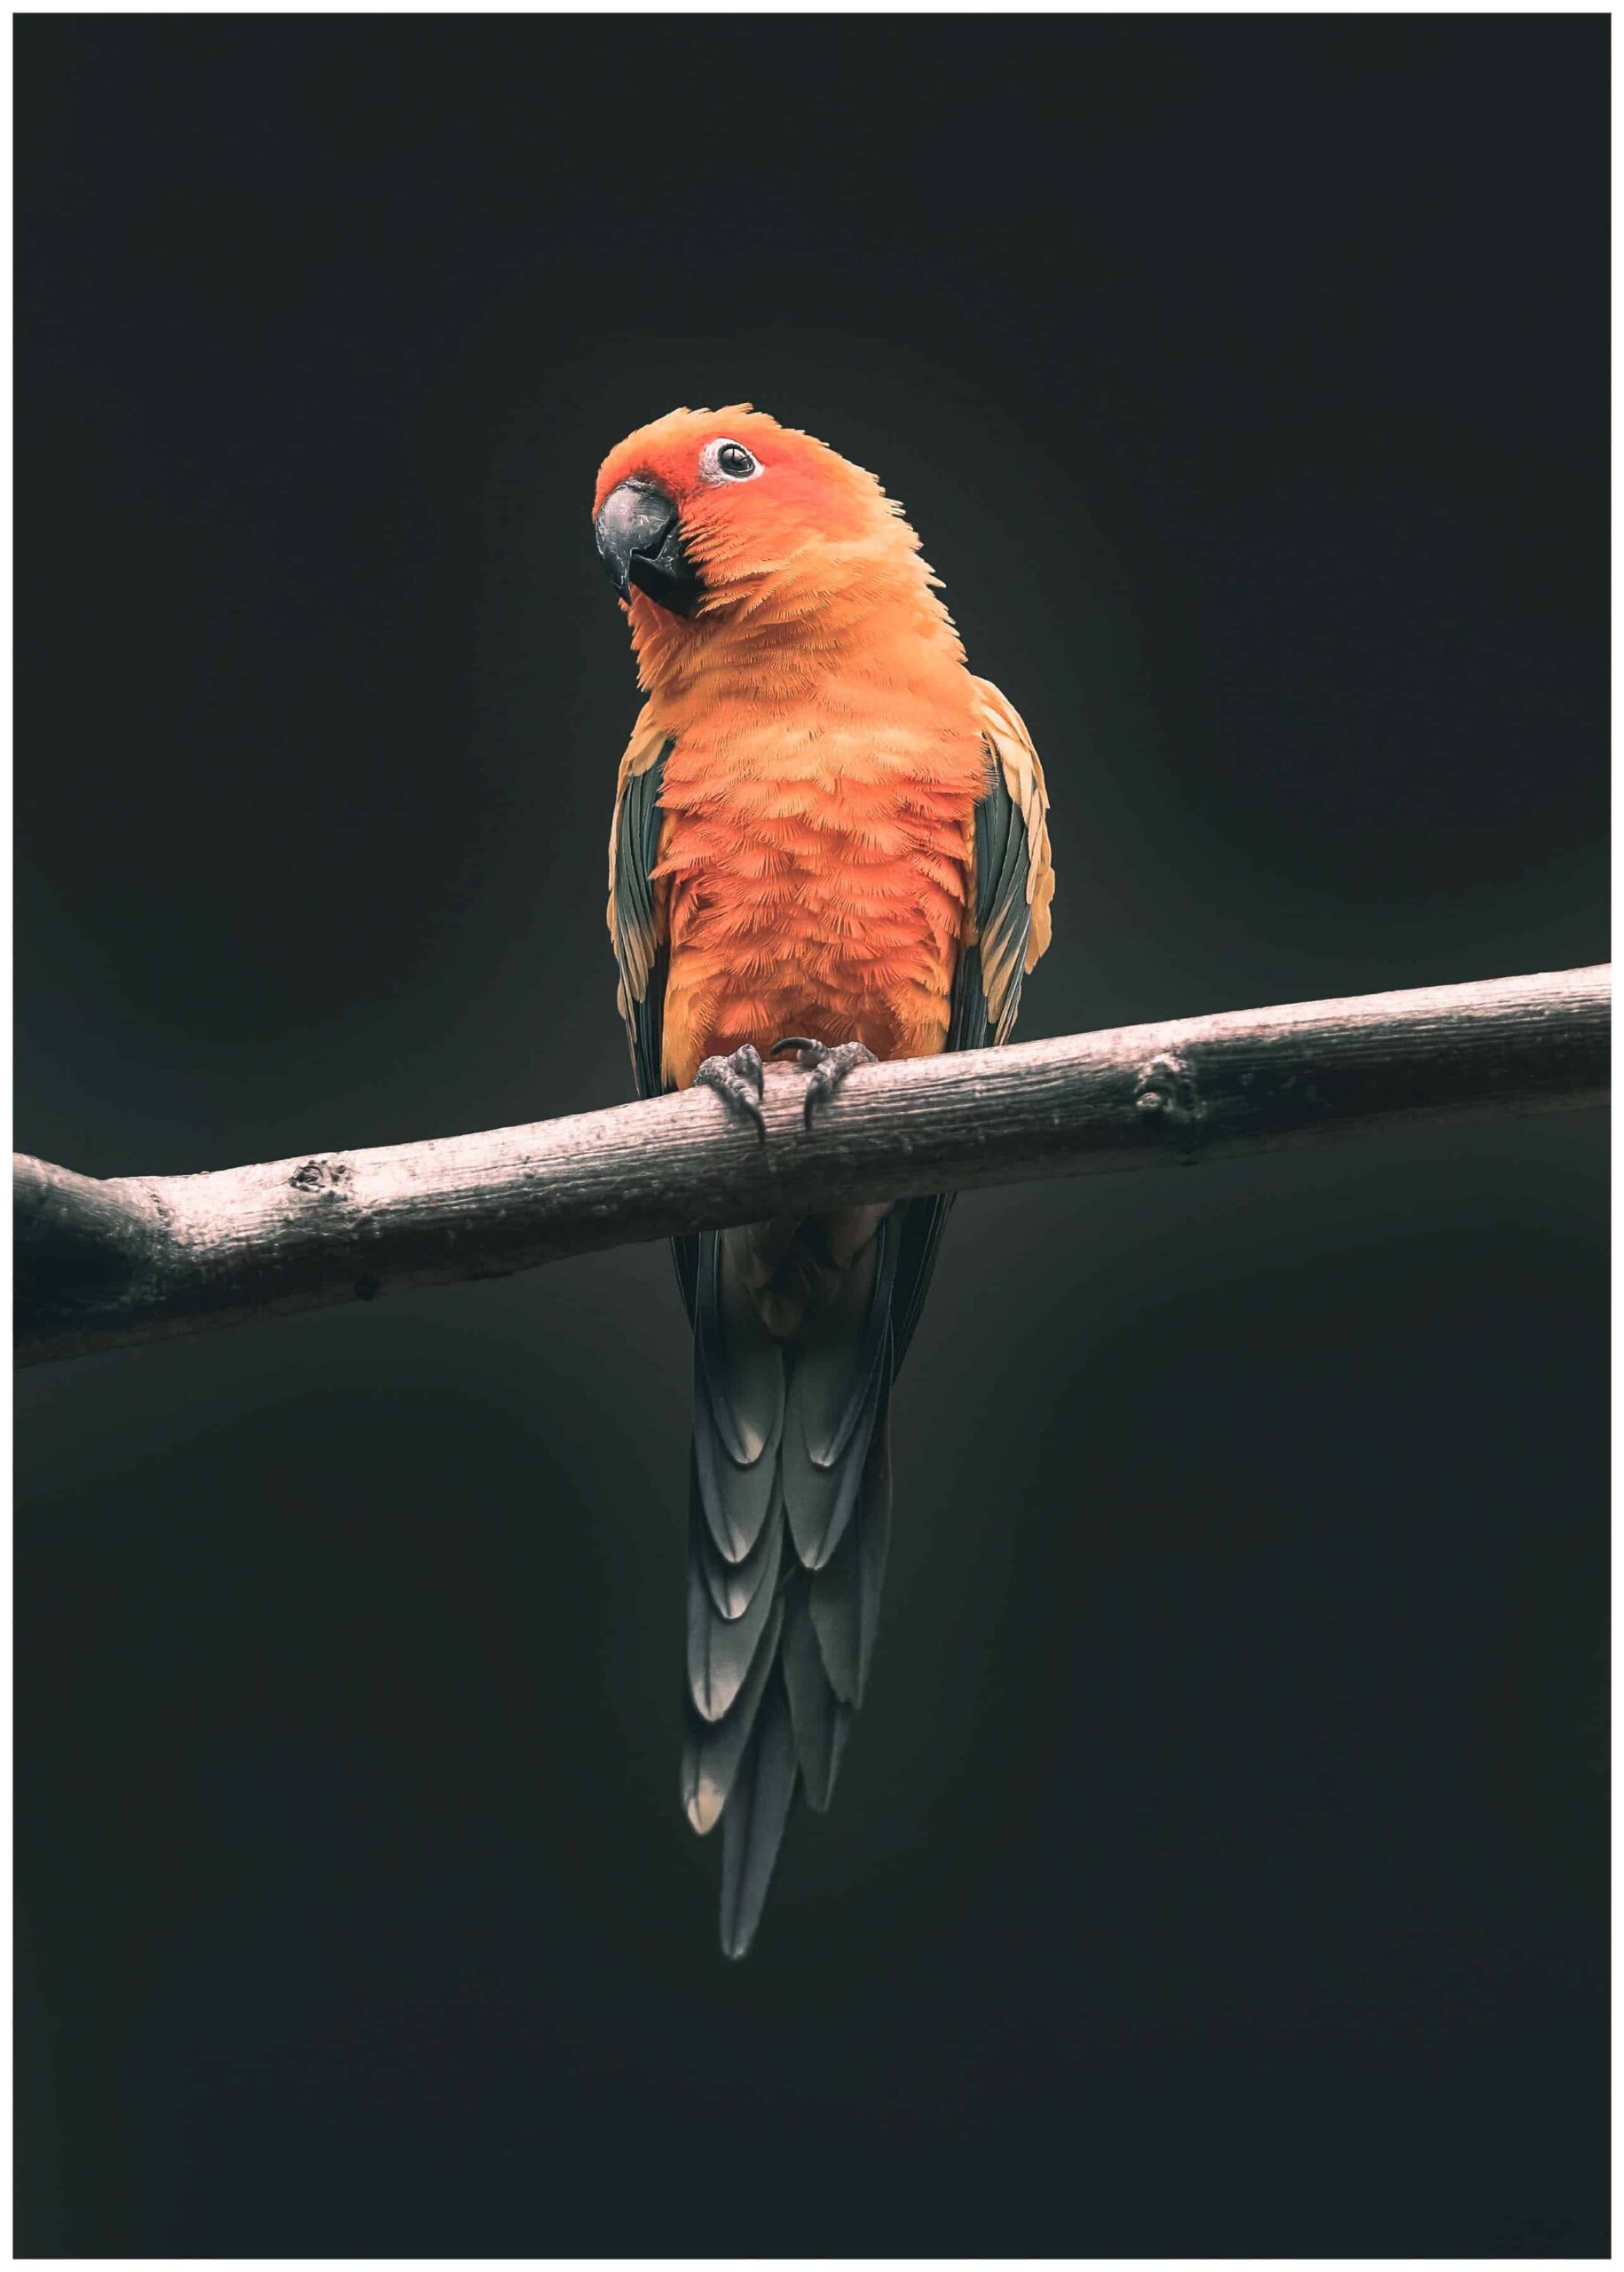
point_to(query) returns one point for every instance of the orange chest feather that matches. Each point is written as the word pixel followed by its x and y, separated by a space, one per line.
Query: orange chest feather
pixel 817 889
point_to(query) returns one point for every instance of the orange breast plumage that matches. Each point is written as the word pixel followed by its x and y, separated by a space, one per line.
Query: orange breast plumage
pixel 817 880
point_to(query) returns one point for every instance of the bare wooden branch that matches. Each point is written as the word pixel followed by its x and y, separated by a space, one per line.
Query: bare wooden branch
pixel 140 1257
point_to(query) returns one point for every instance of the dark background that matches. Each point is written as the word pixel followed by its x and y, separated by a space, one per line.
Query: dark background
pixel 1220 1865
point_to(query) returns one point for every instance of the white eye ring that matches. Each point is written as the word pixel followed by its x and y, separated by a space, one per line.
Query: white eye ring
pixel 718 461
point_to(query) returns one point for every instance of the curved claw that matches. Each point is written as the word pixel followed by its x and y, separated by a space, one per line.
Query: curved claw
pixel 828 1068
pixel 737 1080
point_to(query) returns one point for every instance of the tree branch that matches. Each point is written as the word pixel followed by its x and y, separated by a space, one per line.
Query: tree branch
pixel 142 1257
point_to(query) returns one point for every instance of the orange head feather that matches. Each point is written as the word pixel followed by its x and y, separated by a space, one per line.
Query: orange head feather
pixel 791 544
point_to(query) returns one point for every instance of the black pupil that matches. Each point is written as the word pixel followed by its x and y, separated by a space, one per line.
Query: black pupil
pixel 731 459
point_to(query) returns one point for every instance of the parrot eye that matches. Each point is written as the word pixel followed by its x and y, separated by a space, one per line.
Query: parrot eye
pixel 727 461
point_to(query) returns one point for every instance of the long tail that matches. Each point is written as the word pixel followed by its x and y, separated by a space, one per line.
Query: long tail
pixel 795 1348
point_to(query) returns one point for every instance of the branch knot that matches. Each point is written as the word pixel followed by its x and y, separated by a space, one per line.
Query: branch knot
pixel 327 1176
pixel 1166 1091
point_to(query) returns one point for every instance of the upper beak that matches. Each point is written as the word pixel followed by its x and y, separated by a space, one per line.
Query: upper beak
pixel 640 542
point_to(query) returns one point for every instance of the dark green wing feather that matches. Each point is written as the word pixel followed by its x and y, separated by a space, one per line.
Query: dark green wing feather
pixel 636 922
pixel 637 927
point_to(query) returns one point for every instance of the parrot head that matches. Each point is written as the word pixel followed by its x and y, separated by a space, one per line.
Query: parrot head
pixel 711 517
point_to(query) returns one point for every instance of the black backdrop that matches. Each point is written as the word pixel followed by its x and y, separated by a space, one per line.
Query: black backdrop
pixel 1220 1863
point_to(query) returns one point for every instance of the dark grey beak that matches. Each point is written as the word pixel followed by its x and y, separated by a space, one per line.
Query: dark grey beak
pixel 640 542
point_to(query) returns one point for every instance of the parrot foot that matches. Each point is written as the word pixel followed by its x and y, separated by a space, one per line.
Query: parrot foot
pixel 828 1067
pixel 738 1082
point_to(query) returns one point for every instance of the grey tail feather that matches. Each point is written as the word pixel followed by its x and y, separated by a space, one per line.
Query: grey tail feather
pixel 780 1633
pixel 756 1816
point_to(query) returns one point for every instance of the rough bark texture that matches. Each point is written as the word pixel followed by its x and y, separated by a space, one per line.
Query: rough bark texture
pixel 139 1257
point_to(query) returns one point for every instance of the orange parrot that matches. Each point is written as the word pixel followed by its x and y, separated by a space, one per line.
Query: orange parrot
pixel 828 837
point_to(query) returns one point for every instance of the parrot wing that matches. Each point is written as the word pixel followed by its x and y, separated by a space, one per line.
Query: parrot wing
pixel 1013 884
pixel 637 931
pixel 637 905
pixel 1015 876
